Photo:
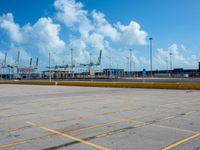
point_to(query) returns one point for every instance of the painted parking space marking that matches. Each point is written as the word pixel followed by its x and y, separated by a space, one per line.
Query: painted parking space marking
pixel 70 137
pixel 134 119
pixel 182 141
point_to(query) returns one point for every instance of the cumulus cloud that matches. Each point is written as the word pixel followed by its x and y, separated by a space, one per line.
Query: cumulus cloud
pixel 12 29
pixel 102 26
pixel 1 57
pixel 73 15
pixel 132 33
pixel 92 31
pixel 180 57
pixel 88 32
pixel 70 12
pixel 45 35
pixel 42 37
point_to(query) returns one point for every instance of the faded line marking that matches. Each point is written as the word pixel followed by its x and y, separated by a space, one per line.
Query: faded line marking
pixel 163 119
pixel 181 142
pixel 174 128
pixel 23 142
pixel 71 131
pixel 141 124
pixel 70 137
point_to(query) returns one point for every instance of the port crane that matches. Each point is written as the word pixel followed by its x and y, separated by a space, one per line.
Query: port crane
pixel 93 64
pixel 17 70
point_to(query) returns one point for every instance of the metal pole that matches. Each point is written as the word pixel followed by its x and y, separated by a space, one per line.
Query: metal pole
pixel 128 65
pixel 109 70
pixel 110 66
pixel 167 64
pixel 130 61
pixel 72 62
pixel 150 39
pixel 134 68
pixel 170 54
pixel 49 67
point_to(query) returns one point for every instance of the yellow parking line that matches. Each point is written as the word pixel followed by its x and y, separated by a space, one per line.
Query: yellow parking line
pixel 162 126
pixel 190 112
pixel 167 118
pixel 23 141
pixel 70 137
pixel 107 123
pixel 182 141
pixel 174 128
pixel 71 131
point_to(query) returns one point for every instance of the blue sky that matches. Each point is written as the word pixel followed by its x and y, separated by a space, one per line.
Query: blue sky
pixel 101 24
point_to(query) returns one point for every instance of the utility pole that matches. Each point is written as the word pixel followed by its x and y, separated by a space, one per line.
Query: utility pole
pixel 150 40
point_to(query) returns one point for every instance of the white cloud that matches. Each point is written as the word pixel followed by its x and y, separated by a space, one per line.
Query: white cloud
pixel 177 56
pixel 97 41
pixel 80 53
pixel 132 33
pixel 45 35
pixel 13 29
pixel 180 57
pixel 73 15
pixel 93 32
pixel 1 57
pixel 24 55
pixel 103 27
pixel 70 12
pixel 89 32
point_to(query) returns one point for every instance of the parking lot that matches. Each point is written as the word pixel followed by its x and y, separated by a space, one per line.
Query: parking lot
pixel 34 117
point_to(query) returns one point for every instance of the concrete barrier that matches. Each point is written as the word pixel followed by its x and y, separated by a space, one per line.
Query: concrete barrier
pixel 152 85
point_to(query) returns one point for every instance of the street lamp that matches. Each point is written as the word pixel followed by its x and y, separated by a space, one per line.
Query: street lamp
pixel 50 69
pixel 72 62
pixel 49 66
pixel 167 64
pixel 150 40
pixel 109 58
pixel 170 57
pixel 134 68
pixel 130 61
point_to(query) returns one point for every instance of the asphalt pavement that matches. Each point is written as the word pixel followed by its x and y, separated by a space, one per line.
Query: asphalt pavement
pixel 35 117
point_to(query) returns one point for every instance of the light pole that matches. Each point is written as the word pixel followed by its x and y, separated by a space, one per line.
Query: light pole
pixel 150 40
pixel 128 65
pixel 110 74
pixel 134 68
pixel 170 57
pixel 130 61
pixel 167 64
pixel 49 66
pixel 110 66
pixel 72 62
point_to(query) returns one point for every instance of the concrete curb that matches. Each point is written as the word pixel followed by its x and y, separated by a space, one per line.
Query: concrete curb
pixel 151 85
